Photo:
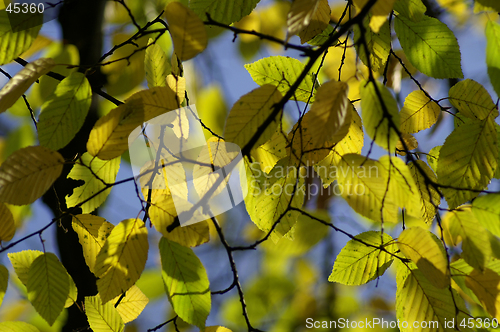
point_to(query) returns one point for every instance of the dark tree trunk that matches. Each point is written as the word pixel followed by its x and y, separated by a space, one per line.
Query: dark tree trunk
pixel 81 22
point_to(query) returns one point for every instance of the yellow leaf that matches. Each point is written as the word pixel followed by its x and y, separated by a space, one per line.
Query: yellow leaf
pixel 378 44
pixel 121 260
pixel 308 18
pixel 7 224
pixel 249 113
pixel 17 327
pixel 4 281
pixel 131 306
pixel 472 100
pixel 187 31
pixel 92 234
pixel 429 197
pixel 28 173
pixel 426 250
pixel 380 10
pixel 102 317
pixel 178 86
pixel 216 329
pixel 21 261
pixel 269 153
pixel 418 112
pixel 156 101
pixel 40 43
pixel 411 143
pixel 156 65
pixel 20 82
pixel 486 286
pixel 48 286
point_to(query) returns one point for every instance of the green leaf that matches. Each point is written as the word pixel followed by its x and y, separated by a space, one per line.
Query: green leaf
pixel 121 260
pixel 412 9
pixel 17 327
pixel 430 46
pixel 7 224
pixel 429 197
pixel 4 282
pixel 186 282
pixel 468 160
pixel 64 112
pixel 223 11
pixel 249 113
pixel 156 65
pixel 132 304
pixel 493 54
pixel 28 173
pixel 376 115
pixel 378 44
pixel 472 100
pixel 21 261
pixel 282 72
pixel 487 211
pixel 357 263
pixel 307 18
pixel 13 44
pixel 433 157
pixel 418 112
pixel 102 317
pixel 87 169
pixel 48 286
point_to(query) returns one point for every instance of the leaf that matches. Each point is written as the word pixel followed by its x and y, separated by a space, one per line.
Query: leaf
pixel 223 11
pixel 4 282
pixel 468 160
pixel 92 234
pixel 472 100
pixel 361 260
pixel 434 304
pixel 178 85
pixel 485 285
pixel 7 224
pixel 216 329
pixel 430 46
pixel 282 72
pixel 269 153
pixel 64 112
pixel 186 283
pixel 378 44
pixel 378 116
pixel 380 10
pixel 131 306
pixel 486 209
pixel 412 9
pixel 28 173
pixel 489 3
pixel 410 143
pixel 418 112
pixel 87 169
pixel 426 250
pixel 102 317
pixel 308 18
pixel 14 40
pixel 48 286
pixel 492 33
pixel 187 31
pixel 462 226
pixel 17 327
pixel 20 82
pixel 121 260
pixel 248 115
pixel 429 197
pixel 21 261
pixel 156 65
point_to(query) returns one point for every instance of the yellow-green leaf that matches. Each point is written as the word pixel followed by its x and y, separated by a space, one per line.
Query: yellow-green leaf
pixel 493 54
pixel 379 118
pixel 102 317
pixel 186 282
pixel 17 327
pixel 269 153
pixel 418 112
pixel 224 11
pixel 410 143
pixel 429 197
pixel 64 112
pixel 412 9
pixel 472 100
pixel 48 286
pixel 357 263
pixel 132 304
pixel 28 173
pixel 216 329
pixel 430 46
pixel 282 72
pixel 249 113
pixel 378 43
pixel 468 160
pixel 187 30
pixel 156 65
pixel 7 224
pixel 122 258
pixel 426 250
pixel 4 282
pixel 92 234
pixel 308 18
pixel 20 82
pixel 487 211
pixel 379 12
pixel 86 169
pixel 486 286
pixel 21 261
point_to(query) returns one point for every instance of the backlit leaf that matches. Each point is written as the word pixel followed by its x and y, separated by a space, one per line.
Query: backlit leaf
pixel 472 100
pixel 28 173
pixel 87 169
pixel 187 30
pixel 131 306
pixel 102 317
pixel 486 286
pixel 380 10
pixel 20 82
pixel 429 197
pixel 17 327
pixel 7 224
pixel 4 281
pixel 307 18
pixel 378 43
pixel 418 112
pixel 487 211
pixel 21 261
pixel 410 143
pixel 358 263
pixel 48 286
pixel 216 329
pixel 186 282
pixel 223 11
pixel 493 54
pixel 121 260
pixel 412 9
pixel 64 112
pixel 156 65
pixel 430 46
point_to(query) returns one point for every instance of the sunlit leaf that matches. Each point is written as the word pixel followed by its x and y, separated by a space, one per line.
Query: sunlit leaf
pixel 380 10
pixel 216 329
pixel 487 211
pixel 186 282
pixel 102 317
pixel 486 286
pixel 308 18
pixel 121 260
pixel 4 281
pixel 17 327
pixel 269 153
pixel 28 173
pixel 472 100
pixel 412 9
pixel 429 197
pixel 156 65
pixel 223 11
pixel 493 54
pixel 418 112
pixel 132 304
pixel 410 143
pixel 378 44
